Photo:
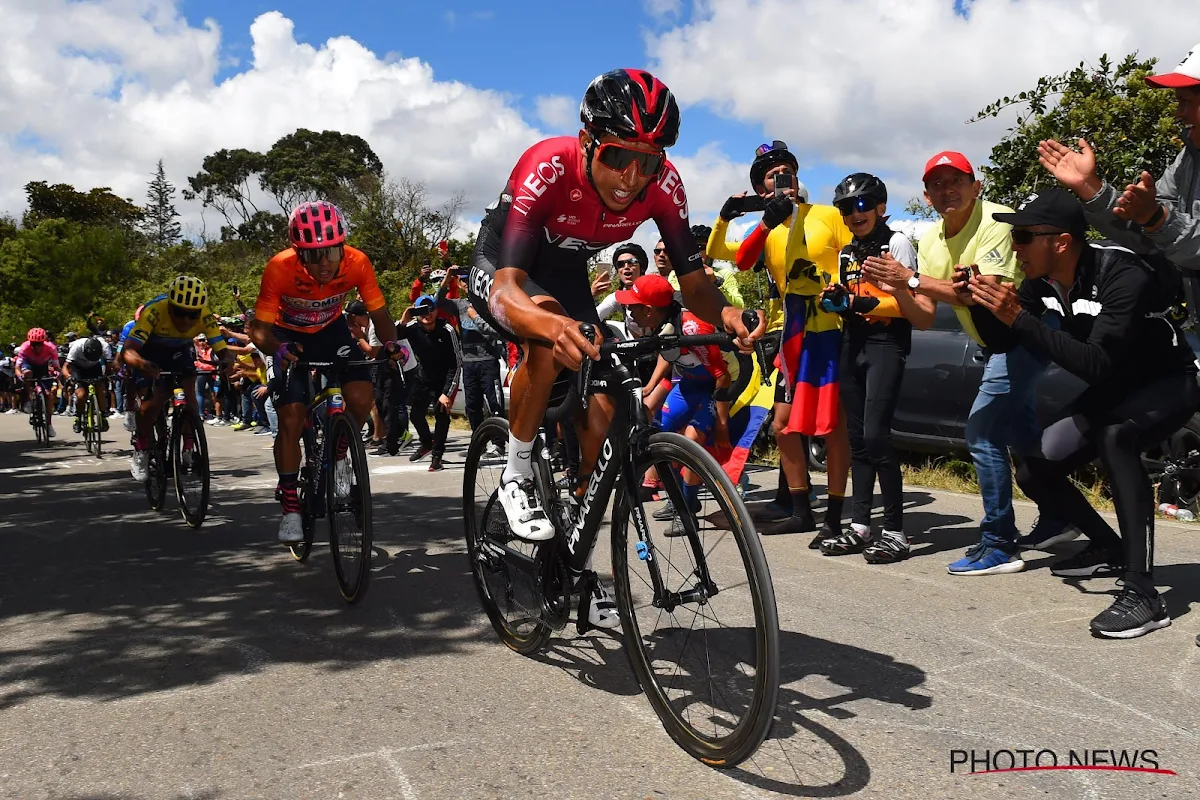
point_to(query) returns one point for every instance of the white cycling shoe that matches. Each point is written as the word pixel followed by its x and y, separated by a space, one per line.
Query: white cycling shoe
pixel 291 528
pixel 602 611
pixel 139 465
pixel 525 514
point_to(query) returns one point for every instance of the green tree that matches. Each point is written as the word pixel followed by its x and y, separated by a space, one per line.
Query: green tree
pixel 62 201
pixel 306 165
pixel 161 220
pixel 1131 125
pixel 224 182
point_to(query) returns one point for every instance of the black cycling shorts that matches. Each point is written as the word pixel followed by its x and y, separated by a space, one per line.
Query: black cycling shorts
pixel 567 282
pixel 94 372
pixel 322 345
pixel 179 360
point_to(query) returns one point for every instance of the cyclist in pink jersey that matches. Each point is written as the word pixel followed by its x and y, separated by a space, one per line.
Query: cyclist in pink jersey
pixel 37 358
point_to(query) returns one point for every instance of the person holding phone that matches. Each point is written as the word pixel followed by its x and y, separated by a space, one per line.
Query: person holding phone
pixel 1003 414
pixel 800 242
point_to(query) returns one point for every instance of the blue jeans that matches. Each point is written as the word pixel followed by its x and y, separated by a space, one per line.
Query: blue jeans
pixel 1003 417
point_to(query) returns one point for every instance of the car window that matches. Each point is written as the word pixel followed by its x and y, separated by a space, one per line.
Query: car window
pixel 944 318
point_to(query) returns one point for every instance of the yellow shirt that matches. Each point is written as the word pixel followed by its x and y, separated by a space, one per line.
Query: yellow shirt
pixel 984 242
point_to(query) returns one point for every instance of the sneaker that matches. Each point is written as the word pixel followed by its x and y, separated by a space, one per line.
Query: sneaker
pixel 12 411
pixel 845 543
pixel 667 512
pixel 1043 538
pixel 406 439
pixel 211 421
pixel 525 514
pixel 139 465
pixel 889 548
pixel 262 432
pixel 104 424
pixel 770 512
pixel 130 422
pixel 984 560
pixel 796 523
pixel 239 426
pixel 1090 562
pixel 1131 615
pixel 77 425
pixel 50 430
pixel 114 414
pixel 491 450
pixel 602 611
pixel 343 477
pixel 291 528
pixel 421 452
pixel 435 464
pixel 743 487
pixel 381 450
pixel 676 529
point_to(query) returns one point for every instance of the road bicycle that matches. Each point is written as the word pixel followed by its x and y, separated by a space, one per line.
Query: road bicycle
pixel 178 449
pixel 92 425
pixel 40 414
pixel 696 601
pixel 331 445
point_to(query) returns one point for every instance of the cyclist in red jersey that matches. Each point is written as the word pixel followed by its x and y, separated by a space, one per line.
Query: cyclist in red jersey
pixel 567 199
pixel 299 311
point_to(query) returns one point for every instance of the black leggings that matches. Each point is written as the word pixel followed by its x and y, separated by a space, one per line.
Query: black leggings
pixel 871 371
pixel 1118 435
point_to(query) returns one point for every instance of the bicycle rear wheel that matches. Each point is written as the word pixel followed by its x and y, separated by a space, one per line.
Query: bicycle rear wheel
pixel 38 418
pixel 156 465
pixel 91 422
pixel 189 462
pixel 705 652
pixel 308 492
pixel 505 568
pixel 348 506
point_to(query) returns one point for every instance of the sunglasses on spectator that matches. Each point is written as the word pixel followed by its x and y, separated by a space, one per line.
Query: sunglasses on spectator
pixel 617 157
pixel 627 263
pixel 312 256
pixel 658 251
pixel 1020 236
pixel 852 204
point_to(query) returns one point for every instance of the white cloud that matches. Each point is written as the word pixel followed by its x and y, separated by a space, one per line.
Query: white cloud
pixel 663 8
pixel 558 112
pixel 883 84
pixel 97 92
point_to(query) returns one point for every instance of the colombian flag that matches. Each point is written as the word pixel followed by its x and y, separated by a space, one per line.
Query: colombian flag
pixel 808 363
pixel 746 418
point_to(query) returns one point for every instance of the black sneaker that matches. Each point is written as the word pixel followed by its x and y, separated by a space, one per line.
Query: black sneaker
pixel 1131 615
pixel 843 544
pixel 770 512
pixel 1042 537
pixel 435 464
pixel 667 512
pixel 796 523
pixel 421 452
pixel 1091 562
pixel 887 549
pixel 77 426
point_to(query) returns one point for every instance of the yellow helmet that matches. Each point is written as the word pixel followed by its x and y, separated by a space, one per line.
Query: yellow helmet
pixel 188 292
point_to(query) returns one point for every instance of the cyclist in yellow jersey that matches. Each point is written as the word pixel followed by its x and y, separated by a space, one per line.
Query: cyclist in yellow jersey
pixel 800 243
pixel 161 339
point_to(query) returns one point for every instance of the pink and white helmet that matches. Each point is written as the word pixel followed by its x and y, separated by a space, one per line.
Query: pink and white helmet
pixel 316 224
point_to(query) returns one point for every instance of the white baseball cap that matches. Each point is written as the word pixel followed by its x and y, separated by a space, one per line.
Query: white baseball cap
pixel 1185 75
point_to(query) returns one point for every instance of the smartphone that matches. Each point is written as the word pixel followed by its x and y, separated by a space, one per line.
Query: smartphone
pixel 753 203
pixel 783 182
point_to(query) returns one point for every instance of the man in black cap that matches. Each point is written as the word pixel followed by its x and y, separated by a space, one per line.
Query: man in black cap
pixel 1102 314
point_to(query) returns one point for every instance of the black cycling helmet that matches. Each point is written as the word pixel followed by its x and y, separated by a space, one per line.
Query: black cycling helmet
pixel 701 232
pixel 767 156
pixel 865 189
pixel 635 250
pixel 92 349
pixel 632 105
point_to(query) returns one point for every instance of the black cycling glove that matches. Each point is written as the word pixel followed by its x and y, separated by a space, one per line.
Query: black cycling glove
pixel 777 210
pixel 732 208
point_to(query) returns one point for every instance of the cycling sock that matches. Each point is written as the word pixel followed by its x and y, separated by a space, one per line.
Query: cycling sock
pixel 691 494
pixel 287 492
pixel 520 460
pixel 782 495
pixel 833 508
pixel 800 504
pixel 343 446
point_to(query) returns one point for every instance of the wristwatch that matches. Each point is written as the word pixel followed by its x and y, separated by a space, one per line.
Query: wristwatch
pixel 914 281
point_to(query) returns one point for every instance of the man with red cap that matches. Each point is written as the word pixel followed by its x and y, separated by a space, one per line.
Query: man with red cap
pixel 1002 417
pixel 1149 215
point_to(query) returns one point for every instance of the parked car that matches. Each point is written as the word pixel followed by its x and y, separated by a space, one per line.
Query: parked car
pixel 941 380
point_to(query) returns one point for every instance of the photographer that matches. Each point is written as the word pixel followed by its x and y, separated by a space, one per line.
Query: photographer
pixel 876 338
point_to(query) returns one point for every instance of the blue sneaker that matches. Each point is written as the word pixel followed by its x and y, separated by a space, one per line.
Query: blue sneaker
pixel 984 560
pixel 1043 537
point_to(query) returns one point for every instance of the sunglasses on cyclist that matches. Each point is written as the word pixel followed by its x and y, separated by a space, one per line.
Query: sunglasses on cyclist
pixel 618 158
pixel 184 312
pixel 852 204
pixel 313 256
pixel 1022 236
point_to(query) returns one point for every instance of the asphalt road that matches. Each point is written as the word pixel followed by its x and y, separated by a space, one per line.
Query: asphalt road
pixel 140 659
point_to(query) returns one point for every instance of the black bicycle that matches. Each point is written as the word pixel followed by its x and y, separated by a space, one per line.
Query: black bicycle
pixel 93 425
pixel 696 601
pixel 334 481
pixel 39 409
pixel 178 448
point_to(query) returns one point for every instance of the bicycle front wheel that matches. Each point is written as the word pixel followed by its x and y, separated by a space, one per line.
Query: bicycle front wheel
pixel 505 568
pixel 348 490
pixel 697 606
pixel 91 421
pixel 308 492
pixel 189 461
pixel 156 465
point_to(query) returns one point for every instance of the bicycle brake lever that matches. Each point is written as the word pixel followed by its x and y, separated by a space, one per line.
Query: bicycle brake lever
pixel 750 320
pixel 585 369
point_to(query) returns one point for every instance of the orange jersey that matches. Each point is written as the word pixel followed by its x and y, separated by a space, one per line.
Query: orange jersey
pixel 290 298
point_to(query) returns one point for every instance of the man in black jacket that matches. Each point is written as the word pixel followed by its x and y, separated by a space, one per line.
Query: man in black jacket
pixel 436 347
pixel 1099 312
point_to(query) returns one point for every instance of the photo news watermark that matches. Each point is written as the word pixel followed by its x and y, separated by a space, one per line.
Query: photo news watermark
pixel 989 762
